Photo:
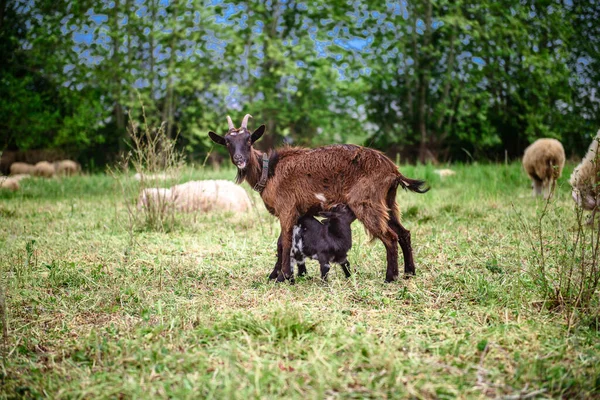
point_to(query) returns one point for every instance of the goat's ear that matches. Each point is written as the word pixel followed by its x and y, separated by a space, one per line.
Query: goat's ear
pixel 216 138
pixel 328 214
pixel 258 133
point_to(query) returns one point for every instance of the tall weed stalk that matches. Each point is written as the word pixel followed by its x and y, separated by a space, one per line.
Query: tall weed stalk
pixel 158 165
pixel 564 260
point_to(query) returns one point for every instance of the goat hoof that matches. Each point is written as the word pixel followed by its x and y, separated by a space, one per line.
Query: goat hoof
pixel 391 279
pixel 273 275
pixel 282 278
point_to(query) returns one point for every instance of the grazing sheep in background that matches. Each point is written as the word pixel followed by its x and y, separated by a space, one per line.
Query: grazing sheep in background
pixel 444 172
pixel 584 179
pixel 67 167
pixel 9 183
pixel 21 168
pixel 44 169
pixel 326 241
pixel 543 161
pixel 209 195
pixel 293 181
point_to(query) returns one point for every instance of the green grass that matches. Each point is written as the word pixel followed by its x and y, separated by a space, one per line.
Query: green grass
pixel 190 313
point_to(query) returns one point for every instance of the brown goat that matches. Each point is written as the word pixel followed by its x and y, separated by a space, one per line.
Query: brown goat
pixel 295 181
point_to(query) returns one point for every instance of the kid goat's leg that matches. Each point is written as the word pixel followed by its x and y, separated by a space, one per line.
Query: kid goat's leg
pixel 302 268
pixel 301 264
pixel 325 267
pixel 346 268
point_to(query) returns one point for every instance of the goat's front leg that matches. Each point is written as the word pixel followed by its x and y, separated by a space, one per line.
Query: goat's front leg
pixel 325 267
pixel 277 267
pixel 346 268
pixel 302 268
pixel 287 225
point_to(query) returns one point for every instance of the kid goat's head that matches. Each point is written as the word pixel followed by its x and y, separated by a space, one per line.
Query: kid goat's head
pixel 238 141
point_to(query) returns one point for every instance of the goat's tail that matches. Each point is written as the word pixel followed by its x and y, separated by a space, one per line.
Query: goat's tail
pixel 414 185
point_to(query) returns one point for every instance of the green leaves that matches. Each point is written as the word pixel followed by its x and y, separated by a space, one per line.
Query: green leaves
pixel 426 78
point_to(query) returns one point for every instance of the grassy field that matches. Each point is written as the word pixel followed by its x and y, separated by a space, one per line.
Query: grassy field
pixel 95 312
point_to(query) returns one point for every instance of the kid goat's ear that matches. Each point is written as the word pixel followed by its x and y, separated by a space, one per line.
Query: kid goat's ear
pixel 258 133
pixel 216 138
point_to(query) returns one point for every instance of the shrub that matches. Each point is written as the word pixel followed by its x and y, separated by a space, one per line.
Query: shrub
pixel 564 260
pixel 157 163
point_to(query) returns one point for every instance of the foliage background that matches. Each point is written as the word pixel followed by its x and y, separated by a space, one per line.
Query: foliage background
pixel 429 80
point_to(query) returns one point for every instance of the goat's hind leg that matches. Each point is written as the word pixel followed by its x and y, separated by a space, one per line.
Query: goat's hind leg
pixel 405 244
pixel 374 219
pixel 402 233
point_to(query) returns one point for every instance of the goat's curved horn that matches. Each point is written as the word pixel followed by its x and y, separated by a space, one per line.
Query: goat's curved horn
pixel 245 121
pixel 230 123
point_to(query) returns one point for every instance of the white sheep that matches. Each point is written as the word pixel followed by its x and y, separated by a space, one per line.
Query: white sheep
pixel 44 169
pixel 584 179
pixel 209 195
pixel 20 168
pixel 67 167
pixel 9 183
pixel 444 172
pixel 543 161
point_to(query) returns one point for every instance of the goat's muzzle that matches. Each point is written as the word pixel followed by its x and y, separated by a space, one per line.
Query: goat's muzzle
pixel 239 161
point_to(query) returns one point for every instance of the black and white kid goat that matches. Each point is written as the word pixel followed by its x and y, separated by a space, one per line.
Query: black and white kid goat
pixel 327 241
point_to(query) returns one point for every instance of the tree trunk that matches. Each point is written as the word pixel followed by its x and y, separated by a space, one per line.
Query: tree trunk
pixel 130 53
pixel 2 12
pixel 424 152
pixel 268 141
pixel 119 115
pixel 152 20
pixel 421 125
pixel 446 90
pixel 168 107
